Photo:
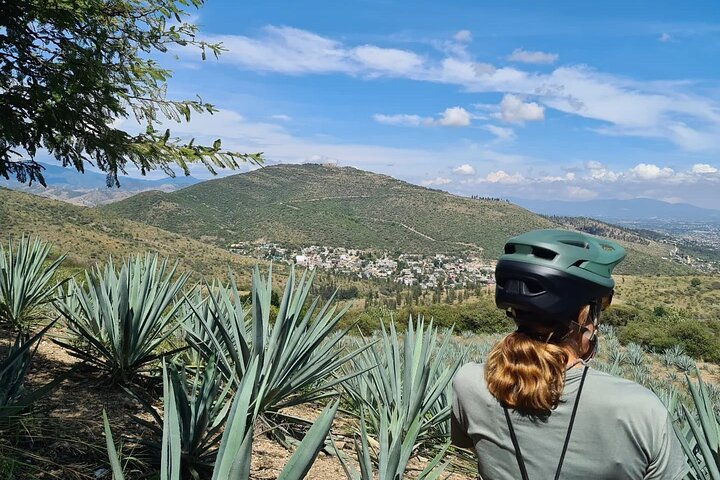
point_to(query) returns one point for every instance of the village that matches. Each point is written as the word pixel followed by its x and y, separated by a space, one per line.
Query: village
pixel 425 271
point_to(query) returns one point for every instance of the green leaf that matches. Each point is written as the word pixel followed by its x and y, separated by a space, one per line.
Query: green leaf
pixel 305 454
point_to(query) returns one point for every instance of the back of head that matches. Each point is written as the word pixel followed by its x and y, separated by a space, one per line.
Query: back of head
pixel 551 282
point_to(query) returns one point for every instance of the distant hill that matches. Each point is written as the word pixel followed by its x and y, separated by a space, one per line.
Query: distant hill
pixel 89 236
pixel 317 204
pixel 638 209
pixel 90 188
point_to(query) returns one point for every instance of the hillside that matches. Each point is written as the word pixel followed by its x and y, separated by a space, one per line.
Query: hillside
pixel 89 236
pixel 314 204
pixel 90 188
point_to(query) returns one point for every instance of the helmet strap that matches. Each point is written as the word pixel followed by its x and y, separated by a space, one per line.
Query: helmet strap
pixel 592 337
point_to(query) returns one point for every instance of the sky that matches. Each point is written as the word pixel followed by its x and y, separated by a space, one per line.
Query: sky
pixel 535 99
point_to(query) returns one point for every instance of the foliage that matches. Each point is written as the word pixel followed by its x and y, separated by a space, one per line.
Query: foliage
pixel 297 353
pixel 121 317
pixel 481 316
pixel 26 282
pixel 46 104
pixel 90 236
pixel 659 334
pixel 300 205
pixel 700 439
pixel 201 404
pixel 233 455
pixel 402 400
pixel 15 399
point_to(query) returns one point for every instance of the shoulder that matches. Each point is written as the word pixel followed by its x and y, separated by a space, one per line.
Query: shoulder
pixel 622 395
pixel 469 374
pixel 469 381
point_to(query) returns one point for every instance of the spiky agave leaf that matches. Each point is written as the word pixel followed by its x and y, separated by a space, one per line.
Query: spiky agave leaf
pixel 121 316
pixel 26 282
pixel 398 400
pixel 198 404
pixel 298 353
pixel 700 436
pixel 15 399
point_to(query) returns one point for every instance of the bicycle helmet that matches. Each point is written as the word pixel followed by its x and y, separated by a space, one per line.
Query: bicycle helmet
pixel 552 274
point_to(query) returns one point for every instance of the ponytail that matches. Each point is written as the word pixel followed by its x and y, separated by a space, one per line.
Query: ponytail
pixel 528 373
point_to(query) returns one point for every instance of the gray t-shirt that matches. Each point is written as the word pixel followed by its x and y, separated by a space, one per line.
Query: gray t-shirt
pixel 622 431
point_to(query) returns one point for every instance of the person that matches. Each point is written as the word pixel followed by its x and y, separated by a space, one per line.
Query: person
pixel 536 409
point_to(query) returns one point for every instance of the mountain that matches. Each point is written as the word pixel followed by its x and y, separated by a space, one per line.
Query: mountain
pixel 90 188
pixel 309 204
pixel 89 236
pixel 645 210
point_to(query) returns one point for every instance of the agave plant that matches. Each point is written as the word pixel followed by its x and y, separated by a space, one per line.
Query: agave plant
pixel 120 317
pixel 15 399
pixel 700 436
pixel 403 402
pixel 26 282
pixel 635 355
pixel 685 363
pixel 298 354
pixel 233 457
pixel 200 403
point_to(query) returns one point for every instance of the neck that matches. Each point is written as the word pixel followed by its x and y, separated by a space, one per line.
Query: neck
pixel 573 359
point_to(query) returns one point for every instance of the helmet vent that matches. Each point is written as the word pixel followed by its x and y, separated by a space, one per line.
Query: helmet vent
pixel 543 253
pixel 576 244
pixel 509 248
pixel 522 287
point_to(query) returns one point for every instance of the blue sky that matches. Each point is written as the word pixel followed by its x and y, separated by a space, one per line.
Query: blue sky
pixel 565 100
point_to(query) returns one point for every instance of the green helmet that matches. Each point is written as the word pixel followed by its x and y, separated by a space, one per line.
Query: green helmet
pixel 554 273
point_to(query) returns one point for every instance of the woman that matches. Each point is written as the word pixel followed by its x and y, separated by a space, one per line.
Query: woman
pixel 535 409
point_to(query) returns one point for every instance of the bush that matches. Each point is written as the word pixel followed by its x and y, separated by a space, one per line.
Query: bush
pixel 697 340
pixel 621 315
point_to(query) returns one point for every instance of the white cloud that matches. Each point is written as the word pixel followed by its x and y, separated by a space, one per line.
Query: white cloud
pixel 597 171
pixel 282 118
pixel 465 169
pixel 649 171
pixel 389 60
pixel 455 117
pixel 703 168
pixel 402 119
pixel 665 37
pixel 463 36
pixel 525 56
pixel 580 193
pixel 436 181
pixel 664 110
pixel 450 117
pixel 513 109
pixel 501 133
pixel 503 177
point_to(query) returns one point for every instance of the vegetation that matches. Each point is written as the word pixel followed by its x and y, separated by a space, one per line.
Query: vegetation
pixel 86 236
pixel 402 400
pixel 15 397
pixel 234 366
pixel 26 282
pixel 321 205
pixel 120 318
pixel 45 104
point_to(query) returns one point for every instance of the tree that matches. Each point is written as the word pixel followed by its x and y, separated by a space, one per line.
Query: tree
pixel 70 69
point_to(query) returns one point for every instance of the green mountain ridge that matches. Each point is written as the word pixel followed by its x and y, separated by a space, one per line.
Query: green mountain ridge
pixel 300 205
pixel 89 236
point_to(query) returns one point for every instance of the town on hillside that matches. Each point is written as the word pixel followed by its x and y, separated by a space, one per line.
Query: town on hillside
pixel 425 271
